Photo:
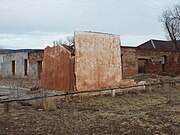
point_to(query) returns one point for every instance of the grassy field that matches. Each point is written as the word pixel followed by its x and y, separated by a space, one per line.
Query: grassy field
pixel 142 113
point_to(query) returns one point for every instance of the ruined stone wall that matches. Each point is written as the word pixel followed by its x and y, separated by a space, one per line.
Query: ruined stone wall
pixel 154 61
pixel 129 62
pixel 6 64
pixel 19 58
pixel 34 58
pixel 97 61
pixel 153 65
pixel 58 69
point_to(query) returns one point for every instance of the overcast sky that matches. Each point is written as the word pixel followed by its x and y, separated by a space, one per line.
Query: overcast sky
pixel 36 23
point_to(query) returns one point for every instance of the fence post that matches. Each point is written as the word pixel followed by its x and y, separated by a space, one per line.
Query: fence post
pixel 6 107
pixel 67 97
pixel 178 84
pixel 113 93
pixel 101 93
pixel 174 84
pixel 146 87
pixel 171 84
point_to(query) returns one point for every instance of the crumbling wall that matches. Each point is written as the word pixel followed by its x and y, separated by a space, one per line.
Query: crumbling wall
pixel 6 64
pixel 34 59
pixel 155 61
pixel 97 61
pixel 129 62
pixel 19 58
pixel 153 57
pixel 58 69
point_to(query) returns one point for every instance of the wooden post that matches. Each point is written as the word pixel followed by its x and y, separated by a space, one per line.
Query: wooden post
pixel 6 107
pixel 174 84
pixel 178 85
pixel 113 93
pixel 146 88
pixel 67 97
pixel 171 84
pixel 101 93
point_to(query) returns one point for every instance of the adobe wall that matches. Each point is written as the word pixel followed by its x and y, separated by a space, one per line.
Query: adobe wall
pixel 97 61
pixel 34 58
pixel 131 55
pixel 129 62
pixel 58 68
pixel 154 63
pixel 6 64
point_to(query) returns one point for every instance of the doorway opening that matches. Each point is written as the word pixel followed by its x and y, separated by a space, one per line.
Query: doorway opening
pixel 13 67
pixel 39 68
pixel 142 66
pixel 25 67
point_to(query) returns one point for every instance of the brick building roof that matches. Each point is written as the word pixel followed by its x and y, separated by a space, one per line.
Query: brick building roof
pixel 159 44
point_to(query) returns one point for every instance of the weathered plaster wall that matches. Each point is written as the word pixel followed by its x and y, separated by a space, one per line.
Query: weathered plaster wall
pixel 1 63
pixel 33 58
pixel 129 62
pixel 6 64
pixel 58 69
pixel 97 61
pixel 19 57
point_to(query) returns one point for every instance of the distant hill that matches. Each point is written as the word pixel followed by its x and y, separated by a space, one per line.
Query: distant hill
pixel 2 51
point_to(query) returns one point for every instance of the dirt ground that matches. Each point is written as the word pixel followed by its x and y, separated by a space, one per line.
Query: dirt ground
pixel 143 113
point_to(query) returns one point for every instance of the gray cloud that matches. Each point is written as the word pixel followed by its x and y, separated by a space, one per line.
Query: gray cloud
pixel 39 22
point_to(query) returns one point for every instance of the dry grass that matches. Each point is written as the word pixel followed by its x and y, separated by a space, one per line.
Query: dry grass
pixel 18 82
pixel 155 112
pixel 47 104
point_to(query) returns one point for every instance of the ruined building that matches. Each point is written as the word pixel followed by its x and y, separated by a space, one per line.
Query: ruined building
pixel 25 63
pixel 97 61
pixel 151 57
pixel 94 62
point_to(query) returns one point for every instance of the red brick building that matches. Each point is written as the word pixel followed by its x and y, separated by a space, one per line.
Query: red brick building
pixel 152 57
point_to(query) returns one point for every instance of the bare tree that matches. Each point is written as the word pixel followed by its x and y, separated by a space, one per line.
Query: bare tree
pixel 171 21
pixel 69 40
pixel 176 11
